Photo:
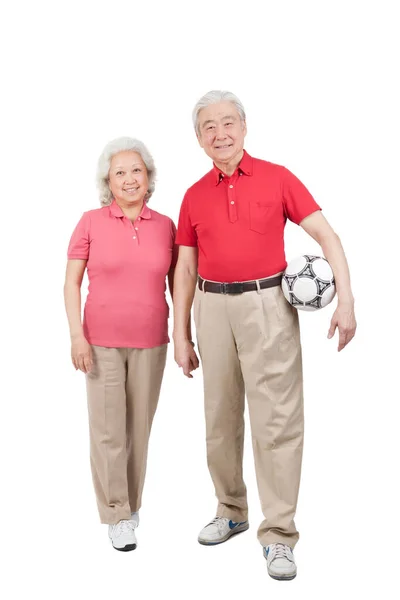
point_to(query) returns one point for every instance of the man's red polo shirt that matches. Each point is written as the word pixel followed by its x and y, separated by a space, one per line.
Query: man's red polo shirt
pixel 237 222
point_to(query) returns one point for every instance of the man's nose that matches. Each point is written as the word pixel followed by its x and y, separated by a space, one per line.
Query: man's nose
pixel 220 132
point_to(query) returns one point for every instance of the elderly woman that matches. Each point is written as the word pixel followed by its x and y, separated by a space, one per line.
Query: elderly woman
pixel 128 250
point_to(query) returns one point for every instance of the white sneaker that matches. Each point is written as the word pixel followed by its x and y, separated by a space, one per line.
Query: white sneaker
pixel 122 535
pixel 280 561
pixel 219 530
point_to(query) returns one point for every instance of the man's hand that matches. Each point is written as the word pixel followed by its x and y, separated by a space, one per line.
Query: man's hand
pixel 186 357
pixel 344 319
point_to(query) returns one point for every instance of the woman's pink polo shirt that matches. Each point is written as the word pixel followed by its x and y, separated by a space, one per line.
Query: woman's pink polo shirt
pixel 127 264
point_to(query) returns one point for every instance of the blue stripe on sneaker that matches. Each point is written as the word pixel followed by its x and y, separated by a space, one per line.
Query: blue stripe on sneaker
pixel 232 524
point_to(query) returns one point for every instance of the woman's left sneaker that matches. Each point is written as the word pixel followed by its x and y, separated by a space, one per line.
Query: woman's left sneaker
pixel 122 535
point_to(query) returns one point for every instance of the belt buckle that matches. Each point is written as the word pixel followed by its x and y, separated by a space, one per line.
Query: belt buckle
pixel 234 288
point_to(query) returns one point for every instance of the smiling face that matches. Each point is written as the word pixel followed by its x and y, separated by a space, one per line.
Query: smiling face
pixel 128 179
pixel 221 134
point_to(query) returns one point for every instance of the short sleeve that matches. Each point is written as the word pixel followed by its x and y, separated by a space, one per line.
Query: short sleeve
pixel 186 235
pixel 80 239
pixel 297 200
pixel 175 249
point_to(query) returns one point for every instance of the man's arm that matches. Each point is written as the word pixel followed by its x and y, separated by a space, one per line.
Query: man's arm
pixel 319 229
pixel 170 277
pixel 183 289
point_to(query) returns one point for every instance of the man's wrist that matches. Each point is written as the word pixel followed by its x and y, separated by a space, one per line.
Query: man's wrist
pixel 346 301
pixel 182 338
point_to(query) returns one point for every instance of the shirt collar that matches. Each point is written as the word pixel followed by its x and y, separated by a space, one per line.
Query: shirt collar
pixel 116 211
pixel 245 166
pixel 146 212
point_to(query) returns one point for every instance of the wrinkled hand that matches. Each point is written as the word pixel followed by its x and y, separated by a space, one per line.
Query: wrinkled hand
pixel 186 357
pixel 343 318
pixel 81 354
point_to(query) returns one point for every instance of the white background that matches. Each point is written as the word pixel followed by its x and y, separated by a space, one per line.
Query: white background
pixel 318 81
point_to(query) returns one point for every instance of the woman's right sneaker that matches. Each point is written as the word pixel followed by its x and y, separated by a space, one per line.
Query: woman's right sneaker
pixel 219 530
pixel 122 535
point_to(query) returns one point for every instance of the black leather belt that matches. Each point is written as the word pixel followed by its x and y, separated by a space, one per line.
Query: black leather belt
pixel 237 287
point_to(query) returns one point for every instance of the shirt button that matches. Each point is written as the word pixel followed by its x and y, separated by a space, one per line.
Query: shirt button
pixel 232 202
pixel 137 228
pixel 134 237
pixel 139 218
pixel 231 186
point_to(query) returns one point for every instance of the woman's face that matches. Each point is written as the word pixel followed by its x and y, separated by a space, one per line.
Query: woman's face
pixel 127 178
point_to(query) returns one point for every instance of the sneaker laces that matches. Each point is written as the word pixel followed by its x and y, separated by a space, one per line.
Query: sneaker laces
pixel 280 551
pixel 219 522
pixel 124 526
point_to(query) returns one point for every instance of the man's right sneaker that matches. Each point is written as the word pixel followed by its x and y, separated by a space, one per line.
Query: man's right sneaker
pixel 280 562
pixel 122 535
pixel 219 530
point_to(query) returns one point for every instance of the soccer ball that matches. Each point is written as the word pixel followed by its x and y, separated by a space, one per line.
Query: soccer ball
pixel 308 282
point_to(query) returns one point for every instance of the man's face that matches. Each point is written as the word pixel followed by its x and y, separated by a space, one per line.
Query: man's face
pixel 221 132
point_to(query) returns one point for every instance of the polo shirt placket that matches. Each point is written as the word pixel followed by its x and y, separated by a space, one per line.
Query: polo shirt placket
pixel 145 213
pixel 136 231
pixel 231 184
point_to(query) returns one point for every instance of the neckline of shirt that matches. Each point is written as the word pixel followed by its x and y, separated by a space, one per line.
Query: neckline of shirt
pixel 245 166
pixel 116 211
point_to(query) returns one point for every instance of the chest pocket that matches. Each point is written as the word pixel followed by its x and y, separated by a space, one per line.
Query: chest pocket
pixel 259 215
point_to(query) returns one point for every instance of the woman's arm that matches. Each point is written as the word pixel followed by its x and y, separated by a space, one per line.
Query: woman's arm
pixel 81 354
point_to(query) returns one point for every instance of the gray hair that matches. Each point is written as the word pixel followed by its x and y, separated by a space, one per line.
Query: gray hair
pixel 214 97
pixel 122 144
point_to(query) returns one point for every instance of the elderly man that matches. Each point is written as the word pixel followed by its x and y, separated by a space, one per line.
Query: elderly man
pixel 231 258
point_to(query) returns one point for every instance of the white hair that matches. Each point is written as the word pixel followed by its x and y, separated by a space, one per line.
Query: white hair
pixel 214 97
pixel 122 144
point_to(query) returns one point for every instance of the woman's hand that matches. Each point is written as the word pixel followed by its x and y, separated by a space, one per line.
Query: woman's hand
pixel 81 354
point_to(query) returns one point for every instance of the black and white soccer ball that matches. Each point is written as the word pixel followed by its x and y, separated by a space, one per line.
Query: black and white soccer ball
pixel 308 282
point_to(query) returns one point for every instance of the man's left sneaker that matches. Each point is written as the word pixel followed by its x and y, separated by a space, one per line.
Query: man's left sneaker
pixel 280 561
pixel 219 530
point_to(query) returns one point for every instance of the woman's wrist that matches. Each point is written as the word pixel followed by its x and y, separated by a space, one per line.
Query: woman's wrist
pixel 76 335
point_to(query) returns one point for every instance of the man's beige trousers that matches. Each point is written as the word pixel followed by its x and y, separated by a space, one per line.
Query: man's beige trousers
pixel 250 343
pixel 123 389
